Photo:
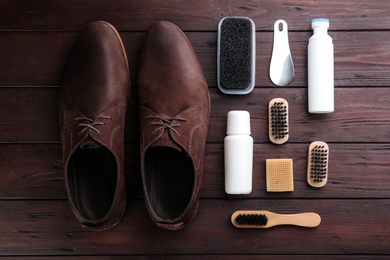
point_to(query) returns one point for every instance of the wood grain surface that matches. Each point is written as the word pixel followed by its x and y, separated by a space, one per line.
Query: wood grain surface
pixel 35 219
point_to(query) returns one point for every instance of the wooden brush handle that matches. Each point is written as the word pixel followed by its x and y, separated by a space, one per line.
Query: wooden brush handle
pixel 307 219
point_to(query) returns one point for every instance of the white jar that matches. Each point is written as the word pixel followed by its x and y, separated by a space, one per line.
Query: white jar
pixel 320 68
pixel 238 153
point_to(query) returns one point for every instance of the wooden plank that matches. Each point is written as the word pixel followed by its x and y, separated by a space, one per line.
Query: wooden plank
pixel 35 218
pixel 355 171
pixel 348 227
pixel 38 59
pixel 362 115
pixel 190 15
pixel 227 257
pixel 34 171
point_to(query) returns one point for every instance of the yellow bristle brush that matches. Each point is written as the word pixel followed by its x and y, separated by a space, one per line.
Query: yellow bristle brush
pixel 279 174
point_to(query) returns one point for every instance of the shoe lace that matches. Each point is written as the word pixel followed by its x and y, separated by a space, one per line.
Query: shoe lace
pixel 169 123
pixel 91 123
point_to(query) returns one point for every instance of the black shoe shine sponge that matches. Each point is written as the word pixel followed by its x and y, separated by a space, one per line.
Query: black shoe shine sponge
pixel 236 55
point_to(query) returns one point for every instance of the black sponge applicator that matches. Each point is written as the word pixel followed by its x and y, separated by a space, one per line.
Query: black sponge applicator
pixel 236 55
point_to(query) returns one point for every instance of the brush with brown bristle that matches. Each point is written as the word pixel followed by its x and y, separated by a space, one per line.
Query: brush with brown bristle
pixel 317 164
pixel 278 121
pixel 267 219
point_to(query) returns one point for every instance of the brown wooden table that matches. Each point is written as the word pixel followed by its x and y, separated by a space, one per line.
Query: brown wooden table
pixel 35 218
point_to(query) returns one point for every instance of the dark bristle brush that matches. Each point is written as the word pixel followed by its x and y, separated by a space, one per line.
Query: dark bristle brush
pixel 278 121
pixel 267 219
pixel 317 164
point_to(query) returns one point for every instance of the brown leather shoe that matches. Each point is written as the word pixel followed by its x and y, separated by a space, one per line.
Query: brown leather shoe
pixel 174 108
pixel 92 106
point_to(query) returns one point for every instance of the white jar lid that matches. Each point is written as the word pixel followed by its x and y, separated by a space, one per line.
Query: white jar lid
pixel 238 122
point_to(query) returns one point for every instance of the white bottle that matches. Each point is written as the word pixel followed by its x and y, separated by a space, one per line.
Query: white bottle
pixel 320 68
pixel 238 153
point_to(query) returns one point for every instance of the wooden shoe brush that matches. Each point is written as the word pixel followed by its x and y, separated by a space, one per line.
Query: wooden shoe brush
pixel 267 219
pixel 278 121
pixel 317 164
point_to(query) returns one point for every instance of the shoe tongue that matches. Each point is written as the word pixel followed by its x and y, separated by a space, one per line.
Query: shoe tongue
pixel 166 141
pixel 89 143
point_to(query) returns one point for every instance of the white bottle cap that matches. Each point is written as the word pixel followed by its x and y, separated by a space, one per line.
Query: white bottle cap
pixel 238 122
pixel 320 22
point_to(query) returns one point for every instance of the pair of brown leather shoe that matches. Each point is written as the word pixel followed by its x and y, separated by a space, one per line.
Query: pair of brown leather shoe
pixel 174 108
